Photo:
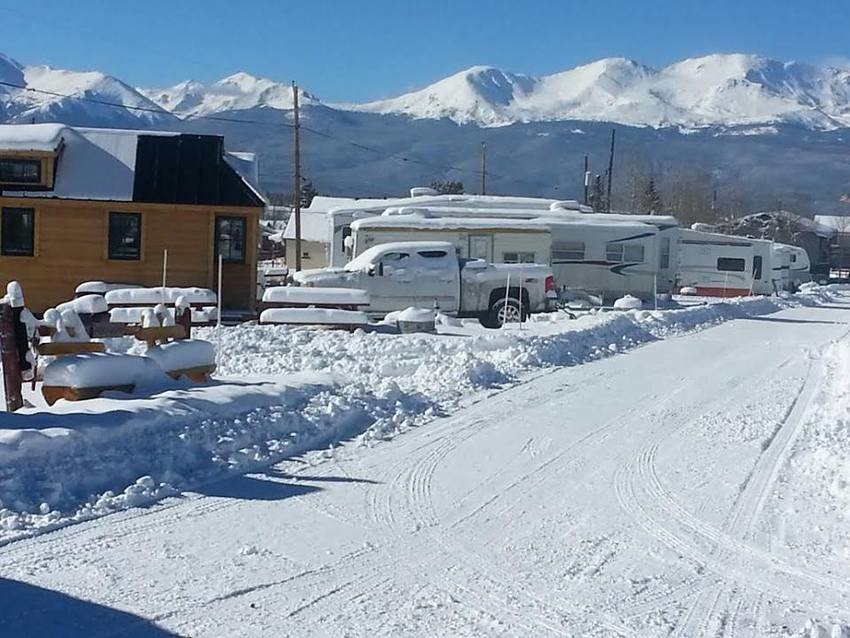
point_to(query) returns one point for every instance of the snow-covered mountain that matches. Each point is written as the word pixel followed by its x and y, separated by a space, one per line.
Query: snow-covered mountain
pixel 57 98
pixel 239 91
pixel 716 90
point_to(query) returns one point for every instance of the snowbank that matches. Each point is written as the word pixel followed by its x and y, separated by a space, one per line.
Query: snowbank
pixel 169 295
pixel 628 303
pixel 100 287
pixel 322 296
pixel 314 316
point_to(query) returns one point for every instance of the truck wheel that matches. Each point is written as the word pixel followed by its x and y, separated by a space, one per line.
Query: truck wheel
pixel 504 310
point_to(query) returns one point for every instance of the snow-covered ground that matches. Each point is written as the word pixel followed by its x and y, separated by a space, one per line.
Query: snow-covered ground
pixel 693 486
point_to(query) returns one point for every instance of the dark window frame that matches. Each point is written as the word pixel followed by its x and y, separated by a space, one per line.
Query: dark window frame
pixel 113 247
pixel 5 249
pixel 758 264
pixel 732 264
pixel 22 180
pixel 228 257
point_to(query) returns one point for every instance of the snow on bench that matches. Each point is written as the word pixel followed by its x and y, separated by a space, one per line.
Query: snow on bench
pixel 296 296
pixel 314 316
pixel 87 375
pixel 134 314
pixel 100 287
pixel 128 297
pixel 91 304
pixel 191 358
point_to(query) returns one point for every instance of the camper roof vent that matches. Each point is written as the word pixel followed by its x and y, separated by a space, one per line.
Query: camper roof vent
pixel 565 204
pixel 423 191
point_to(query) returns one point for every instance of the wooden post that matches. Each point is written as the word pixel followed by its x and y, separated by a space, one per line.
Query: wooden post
pixel 586 177
pixel 296 190
pixel 164 273
pixel 483 168
pixel 610 170
pixel 184 319
pixel 11 359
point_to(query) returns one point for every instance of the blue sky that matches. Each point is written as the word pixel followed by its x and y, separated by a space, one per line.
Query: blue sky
pixel 368 49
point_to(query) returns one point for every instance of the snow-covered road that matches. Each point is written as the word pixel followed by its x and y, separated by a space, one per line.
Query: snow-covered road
pixel 627 496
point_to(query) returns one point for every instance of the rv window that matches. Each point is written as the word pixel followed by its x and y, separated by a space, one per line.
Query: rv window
pixel 125 236
pixel 730 264
pixel 757 267
pixel 518 258
pixel 793 258
pixel 17 232
pixel 614 252
pixel 633 252
pixel 568 251
pixel 432 254
pixel 346 233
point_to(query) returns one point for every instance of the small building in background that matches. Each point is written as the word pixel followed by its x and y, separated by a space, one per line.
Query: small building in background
pixel 840 242
pixel 316 235
pixel 80 204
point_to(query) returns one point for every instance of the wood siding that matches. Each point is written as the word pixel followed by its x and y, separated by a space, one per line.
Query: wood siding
pixel 71 246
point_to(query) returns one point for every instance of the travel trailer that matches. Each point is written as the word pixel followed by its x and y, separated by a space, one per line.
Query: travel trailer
pixel 717 265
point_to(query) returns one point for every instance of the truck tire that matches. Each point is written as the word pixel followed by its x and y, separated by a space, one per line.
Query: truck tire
pixel 510 309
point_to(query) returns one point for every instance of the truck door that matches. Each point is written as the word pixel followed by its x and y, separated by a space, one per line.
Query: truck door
pixel 391 283
pixel 437 279
pixel 481 247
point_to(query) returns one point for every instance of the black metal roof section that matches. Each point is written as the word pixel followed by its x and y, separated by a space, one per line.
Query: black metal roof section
pixel 188 169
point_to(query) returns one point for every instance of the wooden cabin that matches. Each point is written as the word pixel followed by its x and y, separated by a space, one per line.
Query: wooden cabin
pixel 83 204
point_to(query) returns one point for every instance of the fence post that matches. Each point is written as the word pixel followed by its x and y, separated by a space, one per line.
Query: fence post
pixel 184 318
pixel 11 359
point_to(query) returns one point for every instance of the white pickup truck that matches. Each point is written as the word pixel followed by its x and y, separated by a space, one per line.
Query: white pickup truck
pixel 428 274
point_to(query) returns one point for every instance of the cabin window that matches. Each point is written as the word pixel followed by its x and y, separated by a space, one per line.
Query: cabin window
pixel 125 236
pixel 757 267
pixel 20 171
pixel 619 252
pixel 518 258
pixel 730 264
pixel 230 235
pixel 568 251
pixel 17 232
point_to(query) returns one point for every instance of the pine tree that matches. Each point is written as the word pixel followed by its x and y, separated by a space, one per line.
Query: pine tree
pixel 447 187
pixel 651 200
pixel 308 192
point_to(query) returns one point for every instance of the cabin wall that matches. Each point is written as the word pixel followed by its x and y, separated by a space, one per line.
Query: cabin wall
pixel 71 246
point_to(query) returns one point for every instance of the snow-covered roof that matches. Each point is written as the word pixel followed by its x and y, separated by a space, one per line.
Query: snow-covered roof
pixel 838 223
pixel 804 223
pixel 447 223
pixel 33 137
pixel 95 163
pixel 314 227
pixel 248 168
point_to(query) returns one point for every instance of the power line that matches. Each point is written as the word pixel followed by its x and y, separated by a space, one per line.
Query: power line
pixel 215 118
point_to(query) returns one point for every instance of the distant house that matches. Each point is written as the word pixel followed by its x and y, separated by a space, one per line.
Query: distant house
pixel 840 244
pixel 80 204
pixel 316 235
pixel 788 228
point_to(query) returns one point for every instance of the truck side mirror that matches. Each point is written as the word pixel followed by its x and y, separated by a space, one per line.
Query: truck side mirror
pixel 370 270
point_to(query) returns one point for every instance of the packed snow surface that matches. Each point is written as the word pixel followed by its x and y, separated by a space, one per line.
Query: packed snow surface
pixel 669 469
pixel 160 294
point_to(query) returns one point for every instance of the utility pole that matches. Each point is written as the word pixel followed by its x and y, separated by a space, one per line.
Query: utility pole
pixel 296 190
pixel 586 177
pixel 483 168
pixel 611 169
pixel 714 205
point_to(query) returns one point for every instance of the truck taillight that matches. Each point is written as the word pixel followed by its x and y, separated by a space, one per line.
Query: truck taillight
pixel 550 283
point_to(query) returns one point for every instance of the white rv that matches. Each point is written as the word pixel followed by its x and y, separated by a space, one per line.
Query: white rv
pixel 718 265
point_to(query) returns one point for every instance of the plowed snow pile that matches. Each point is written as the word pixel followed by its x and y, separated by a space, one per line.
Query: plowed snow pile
pixel 79 460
